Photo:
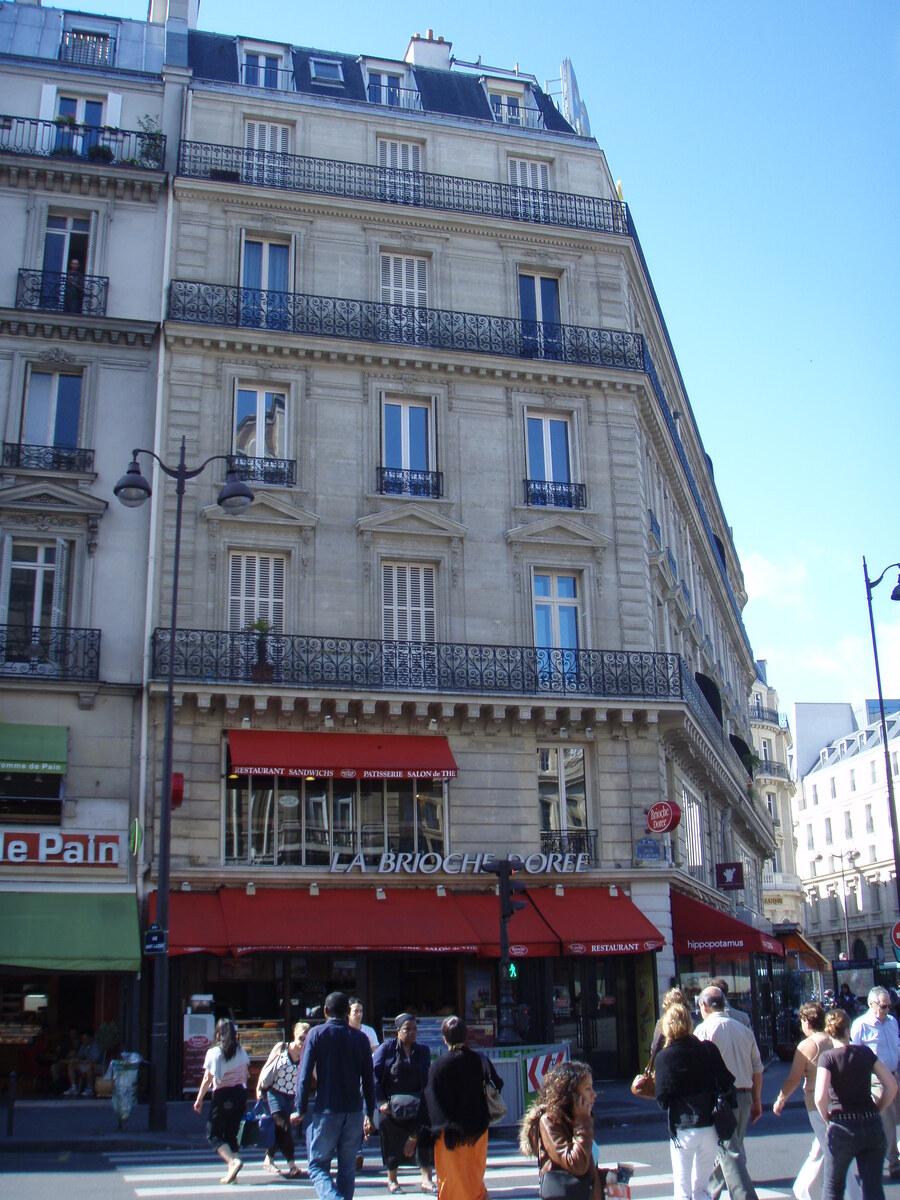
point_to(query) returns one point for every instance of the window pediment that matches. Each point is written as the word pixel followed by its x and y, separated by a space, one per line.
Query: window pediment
pixel 407 520
pixel 51 500
pixel 266 510
pixel 557 530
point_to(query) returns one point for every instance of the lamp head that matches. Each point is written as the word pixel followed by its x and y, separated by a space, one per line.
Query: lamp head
pixel 133 489
pixel 235 496
pixel 895 594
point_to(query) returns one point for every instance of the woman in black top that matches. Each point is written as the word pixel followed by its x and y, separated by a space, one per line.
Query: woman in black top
pixel 401 1070
pixel 844 1100
pixel 689 1076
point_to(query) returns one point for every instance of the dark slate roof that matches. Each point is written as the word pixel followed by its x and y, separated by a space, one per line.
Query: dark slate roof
pixel 553 118
pixel 354 87
pixel 453 95
pixel 213 56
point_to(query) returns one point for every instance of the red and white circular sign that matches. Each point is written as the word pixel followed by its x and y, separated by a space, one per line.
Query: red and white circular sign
pixel 663 816
pixel 895 935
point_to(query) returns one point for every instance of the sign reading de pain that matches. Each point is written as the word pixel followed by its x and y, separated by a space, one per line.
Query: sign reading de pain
pixel 58 848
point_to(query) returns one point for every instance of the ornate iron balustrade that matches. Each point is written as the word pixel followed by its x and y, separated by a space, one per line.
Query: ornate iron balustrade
pixel 572 841
pixel 49 139
pixel 770 715
pixel 686 592
pixel 47 458
pixel 776 770
pixel 83 49
pixel 279 79
pixel 367 664
pixel 62 291
pixel 276 471
pixel 542 493
pixel 402 325
pixel 673 565
pixel 516 114
pixel 394 482
pixel 57 653
pixel 712 726
pixel 394 96
pixel 418 189
pixel 654 527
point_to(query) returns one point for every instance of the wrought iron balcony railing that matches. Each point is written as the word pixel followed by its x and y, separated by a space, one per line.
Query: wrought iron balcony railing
pixel 542 493
pixel 57 653
pixel 418 189
pixel 401 324
pixel 572 841
pixel 654 528
pixel 775 770
pixel 83 49
pixel 686 592
pixel 770 715
pixel 516 114
pixel 280 79
pixel 275 471
pixel 58 140
pixel 62 291
pixel 392 481
pixel 394 97
pixel 673 565
pixel 47 458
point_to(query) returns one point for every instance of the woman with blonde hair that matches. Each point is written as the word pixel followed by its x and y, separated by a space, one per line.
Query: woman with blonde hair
pixel 283 1064
pixel 558 1129
pixel 690 1075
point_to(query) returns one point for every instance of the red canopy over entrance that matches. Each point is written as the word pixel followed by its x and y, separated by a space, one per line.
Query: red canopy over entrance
pixel 697 928
pixel 340 755
pixel 196 923
pixel 591 920
pixel 529 934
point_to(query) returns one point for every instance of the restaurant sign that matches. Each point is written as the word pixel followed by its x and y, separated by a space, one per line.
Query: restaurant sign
pixel 54 848
pixel 395 862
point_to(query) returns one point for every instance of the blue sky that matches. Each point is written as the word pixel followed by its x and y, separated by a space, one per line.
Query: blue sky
pixel 757 145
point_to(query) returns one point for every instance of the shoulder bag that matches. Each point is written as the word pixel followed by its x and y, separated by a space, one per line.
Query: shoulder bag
pixel 267 1074
pixel 644 1085
pixel 496 1105
pixel 405 1107
pixel 557 1184
pixel 723 1114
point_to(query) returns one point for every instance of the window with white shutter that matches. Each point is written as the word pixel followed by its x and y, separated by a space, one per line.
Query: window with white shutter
pixel 404 280
pixel 408 602
pixel 399 156
pixel 529 173
pixel 266 135
pixel 256 590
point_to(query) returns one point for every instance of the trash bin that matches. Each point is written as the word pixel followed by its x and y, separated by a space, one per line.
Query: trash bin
pixel 125 1080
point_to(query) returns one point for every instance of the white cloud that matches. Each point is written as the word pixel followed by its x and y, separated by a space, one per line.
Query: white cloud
pixel 782 581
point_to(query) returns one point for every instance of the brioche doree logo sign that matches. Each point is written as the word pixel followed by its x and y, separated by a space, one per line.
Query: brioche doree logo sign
pixel 394 862
pixel 53 848
pixel 663 817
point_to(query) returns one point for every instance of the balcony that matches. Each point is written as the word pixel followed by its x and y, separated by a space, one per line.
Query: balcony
pixel 572 841
pixel 774 770
pixel 655 530
pixel 686 593
pixel 91 143
pixel 418 189
pixel 62 292
pixel 392 481
pixel 542 493
pixel 770 715
pixel 394 96
pixel 673 565
pixel 401 325
pixel 278 472
pixel 513 113
pixel 82 49
pixel 47 458
pixel 55 653
pixel 279 79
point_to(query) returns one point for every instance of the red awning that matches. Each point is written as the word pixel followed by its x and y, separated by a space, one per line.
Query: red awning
pixel 196 923
pixel 346 920
pixel 341 755
pixel 591 920
pixel 697 928
pixel 529 934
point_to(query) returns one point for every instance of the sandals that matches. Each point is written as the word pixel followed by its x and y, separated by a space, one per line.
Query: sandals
pixel 269 1165
pixel 428 1186
pixel 294 1173
pixel 394 1188
pixel 233 1167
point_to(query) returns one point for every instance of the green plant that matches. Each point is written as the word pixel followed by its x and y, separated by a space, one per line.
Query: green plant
pixel 99 153
pixel 260 627
pixel 65 119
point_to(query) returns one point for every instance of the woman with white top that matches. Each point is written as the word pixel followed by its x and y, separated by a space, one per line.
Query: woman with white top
pixel 225 1072
pixel 281 1097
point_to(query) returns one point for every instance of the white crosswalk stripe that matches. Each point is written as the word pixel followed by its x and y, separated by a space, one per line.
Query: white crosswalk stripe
pixel 173 1174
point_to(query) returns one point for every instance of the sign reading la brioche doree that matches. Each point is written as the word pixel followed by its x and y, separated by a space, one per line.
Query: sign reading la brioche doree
pixel 53 848
pixel 401 862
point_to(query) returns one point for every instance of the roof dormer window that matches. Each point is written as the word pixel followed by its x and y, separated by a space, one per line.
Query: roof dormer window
pixel 87 48
pixel 326 70
pixel 264 67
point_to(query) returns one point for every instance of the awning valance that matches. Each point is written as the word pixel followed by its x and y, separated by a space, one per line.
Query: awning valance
pixel 809 955
pixel 340 755
pixel 70 931
pixel 196 923
pixel 529 934
pixel 36 749
pixel 697 928
pixel 594 921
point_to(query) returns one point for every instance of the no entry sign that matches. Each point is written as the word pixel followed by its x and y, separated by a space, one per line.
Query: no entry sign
pixel 895 935
pixel 663 816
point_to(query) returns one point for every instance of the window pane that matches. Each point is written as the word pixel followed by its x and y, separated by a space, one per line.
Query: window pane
pixel 536 467
pixel 542 585
pixel 568 629
pixel 543 625
pixel 527 298
pixel 400 814
pixel 68 411
pixel 68 106
pixel 275 425
pixel 548 789
pixel 245 423
pixel 36 431
pixel 252 277
pixel 262 820
pixel 236 794
pixel 576 810
pixel 316 819
pixel 54 244
pixel 93 112
pixel 393 439
pixel 565 587
pixel 371 815
pixel 430 816
pixel 418 438
pixel 344 816
pixel 278 268
pixel 550 301
pixel 290 843
pixel 559 450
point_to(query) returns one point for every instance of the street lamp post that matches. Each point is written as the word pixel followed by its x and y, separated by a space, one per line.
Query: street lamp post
pixel 845 856
pixel 132 490
pixel 871 584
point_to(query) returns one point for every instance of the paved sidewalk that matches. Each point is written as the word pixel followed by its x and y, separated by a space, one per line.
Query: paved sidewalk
pixel 49 1126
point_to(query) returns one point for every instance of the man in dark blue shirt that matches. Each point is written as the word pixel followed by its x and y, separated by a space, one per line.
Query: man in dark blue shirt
pixel 341 1059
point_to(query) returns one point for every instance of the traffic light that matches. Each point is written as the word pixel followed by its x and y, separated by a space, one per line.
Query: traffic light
pixel 510 970
pixel 509 888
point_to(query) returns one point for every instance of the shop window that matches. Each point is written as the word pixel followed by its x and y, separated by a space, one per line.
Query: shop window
pixel 275 821
pixel 30 799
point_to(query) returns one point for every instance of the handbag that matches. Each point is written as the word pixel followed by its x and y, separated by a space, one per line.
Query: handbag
pixel 644 1085
pixel 723 1114
pixel 404 1107
pixel 257 1128
pixel 270 1070
pixel 557 1184
pixel 496 1105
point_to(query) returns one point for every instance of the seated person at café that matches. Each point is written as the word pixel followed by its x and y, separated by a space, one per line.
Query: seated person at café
pixel 83 1067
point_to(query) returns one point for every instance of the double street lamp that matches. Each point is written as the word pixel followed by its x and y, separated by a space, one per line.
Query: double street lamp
pixel 871 584
pixel 133 490
pixel 847 856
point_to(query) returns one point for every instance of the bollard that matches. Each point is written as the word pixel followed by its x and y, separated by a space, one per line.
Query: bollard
pixel 11 1104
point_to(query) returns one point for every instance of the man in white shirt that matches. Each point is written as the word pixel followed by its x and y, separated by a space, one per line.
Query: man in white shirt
pixel 738 1048
pixel 737 1013
pixel 878 1030
pixel 356 1020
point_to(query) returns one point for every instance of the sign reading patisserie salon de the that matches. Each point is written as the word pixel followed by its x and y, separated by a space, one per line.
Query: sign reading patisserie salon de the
pixel 395 862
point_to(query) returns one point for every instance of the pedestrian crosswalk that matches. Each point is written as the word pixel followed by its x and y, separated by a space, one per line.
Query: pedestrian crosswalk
pixel 170 1174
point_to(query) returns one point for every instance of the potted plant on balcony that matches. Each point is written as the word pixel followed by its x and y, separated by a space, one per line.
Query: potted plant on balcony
pixel 261 671
pixel 100 153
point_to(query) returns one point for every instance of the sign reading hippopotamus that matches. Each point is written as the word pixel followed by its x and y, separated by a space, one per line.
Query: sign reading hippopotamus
pixel 663 817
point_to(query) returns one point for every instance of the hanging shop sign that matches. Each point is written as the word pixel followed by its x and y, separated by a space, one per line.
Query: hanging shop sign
pixel 406 863
pixel 54 848
pixel 730 876
pixel 663 817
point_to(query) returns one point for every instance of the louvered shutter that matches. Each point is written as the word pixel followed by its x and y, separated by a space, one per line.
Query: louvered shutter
pixel 47 110
pixel 266 135
pixel 256 589
pixel 403 156
pixel 408 602
pixel 388 614
pixel 90 266
pixel 404 280
pixel 114 109
pixel 6 549
pixel 60 580
pixel 236 620
pixel 526 173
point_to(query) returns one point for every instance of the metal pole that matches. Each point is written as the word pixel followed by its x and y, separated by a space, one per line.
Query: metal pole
pixel 844 903
pixel 159 1034
pixel 507 1034
pixel 892 805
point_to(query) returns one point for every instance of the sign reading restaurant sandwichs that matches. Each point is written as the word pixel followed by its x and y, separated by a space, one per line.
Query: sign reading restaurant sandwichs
pixel 55 848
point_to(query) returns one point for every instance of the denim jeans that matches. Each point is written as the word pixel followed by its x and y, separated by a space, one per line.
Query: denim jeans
pixel 329 1134
pixel 860 1139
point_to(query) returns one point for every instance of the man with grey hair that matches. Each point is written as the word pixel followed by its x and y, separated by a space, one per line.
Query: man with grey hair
pixel 878 1030
pixel 738 1048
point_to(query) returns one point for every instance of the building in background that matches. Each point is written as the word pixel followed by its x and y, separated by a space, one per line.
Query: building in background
pixel 486 601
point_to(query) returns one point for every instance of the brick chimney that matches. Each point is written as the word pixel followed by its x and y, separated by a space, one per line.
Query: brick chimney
pixel 428 51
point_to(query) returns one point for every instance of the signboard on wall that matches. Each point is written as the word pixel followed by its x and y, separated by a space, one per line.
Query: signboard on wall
pixel 730 876
pixel 58 848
